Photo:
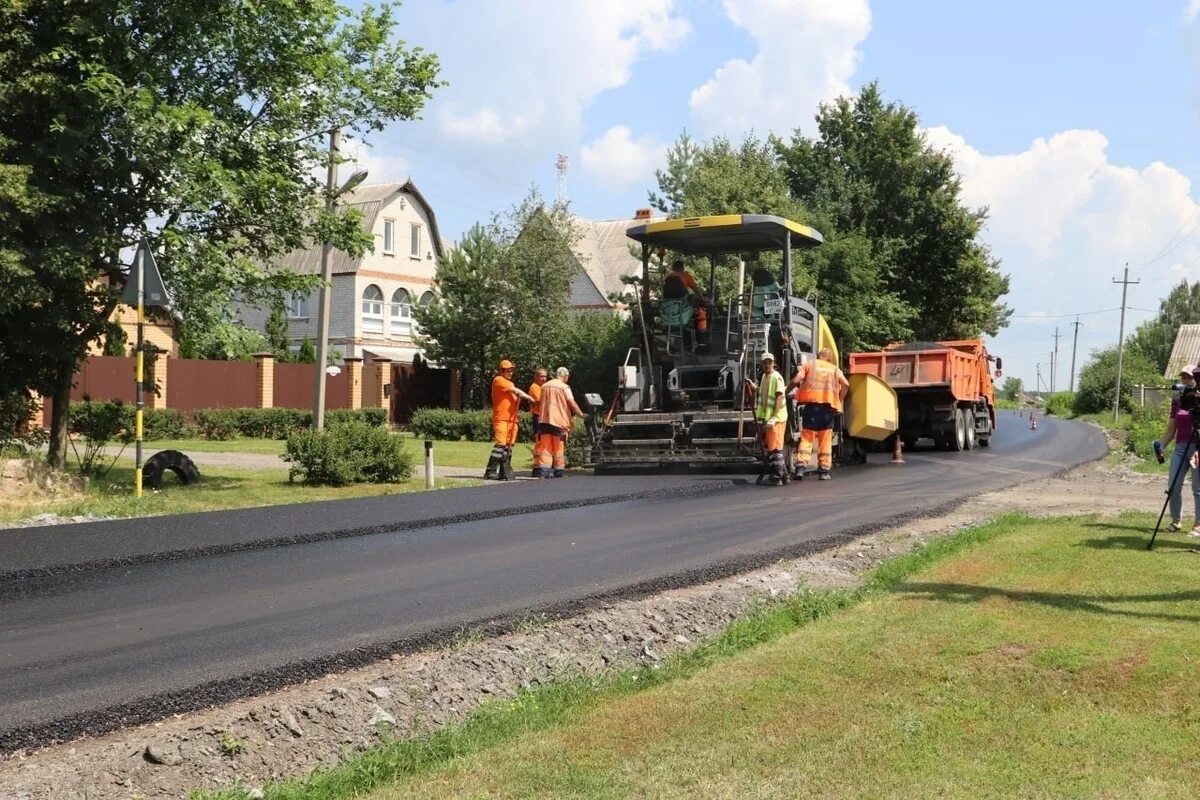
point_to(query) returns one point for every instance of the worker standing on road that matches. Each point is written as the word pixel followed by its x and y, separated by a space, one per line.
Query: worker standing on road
pixel 535 391
pixel 770 410
pixel 559 410
pixel 506 404
pixel 820 387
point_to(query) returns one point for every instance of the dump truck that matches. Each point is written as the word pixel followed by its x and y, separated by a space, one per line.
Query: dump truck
pixel 944 390
pixel 680 398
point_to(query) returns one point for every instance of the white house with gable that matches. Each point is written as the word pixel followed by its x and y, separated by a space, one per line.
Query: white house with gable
pixel 372 297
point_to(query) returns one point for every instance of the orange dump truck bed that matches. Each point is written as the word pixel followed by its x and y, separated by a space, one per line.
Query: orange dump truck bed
pixel 943 390
pixel 961 367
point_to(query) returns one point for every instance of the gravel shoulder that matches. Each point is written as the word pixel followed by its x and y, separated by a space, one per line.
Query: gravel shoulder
pixel 295 730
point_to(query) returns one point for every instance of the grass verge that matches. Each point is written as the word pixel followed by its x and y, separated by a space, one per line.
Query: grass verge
pixel 485 755
pixel 220 489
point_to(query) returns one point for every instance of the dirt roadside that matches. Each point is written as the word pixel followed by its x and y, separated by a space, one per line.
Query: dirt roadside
pixel 298 729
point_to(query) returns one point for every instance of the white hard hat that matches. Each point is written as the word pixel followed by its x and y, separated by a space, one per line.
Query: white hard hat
pixel 768 357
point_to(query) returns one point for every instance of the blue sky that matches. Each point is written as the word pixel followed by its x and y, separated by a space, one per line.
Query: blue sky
pixel 1077 123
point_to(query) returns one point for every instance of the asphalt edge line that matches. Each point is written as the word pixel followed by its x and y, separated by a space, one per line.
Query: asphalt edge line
pixel 180 554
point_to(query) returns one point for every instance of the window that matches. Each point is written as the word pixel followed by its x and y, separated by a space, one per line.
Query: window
pixel 372 308
pixel 401 312
pixel 297 306
pixel 389 236
pixel 415 252
pixel 426 299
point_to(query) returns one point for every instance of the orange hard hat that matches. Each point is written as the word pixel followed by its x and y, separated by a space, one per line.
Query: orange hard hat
pixel 506 364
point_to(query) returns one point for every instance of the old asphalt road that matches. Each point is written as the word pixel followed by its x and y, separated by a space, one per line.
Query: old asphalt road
pixel 115 623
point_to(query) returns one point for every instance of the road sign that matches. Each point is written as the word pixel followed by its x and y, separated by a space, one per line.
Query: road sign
pixel 155 291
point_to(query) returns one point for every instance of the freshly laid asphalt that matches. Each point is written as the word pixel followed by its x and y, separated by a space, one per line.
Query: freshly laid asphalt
pixel 111 623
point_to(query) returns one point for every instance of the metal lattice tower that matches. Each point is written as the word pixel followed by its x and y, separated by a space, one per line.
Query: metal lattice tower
pixel 560 164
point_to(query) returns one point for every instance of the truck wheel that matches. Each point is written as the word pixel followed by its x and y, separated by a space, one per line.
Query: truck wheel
pixel 172 461
pixel 985 438
pixel 969 429
pixel 959 442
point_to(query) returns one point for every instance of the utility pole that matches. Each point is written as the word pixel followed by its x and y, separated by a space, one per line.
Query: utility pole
pixel 1054 363
pixel 1121 339
pixel 1074 344
pixel 1039 377
pixel 331 176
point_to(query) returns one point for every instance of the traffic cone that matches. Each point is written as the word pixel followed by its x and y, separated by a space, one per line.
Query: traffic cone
pixel 897 452
pixel 1032 421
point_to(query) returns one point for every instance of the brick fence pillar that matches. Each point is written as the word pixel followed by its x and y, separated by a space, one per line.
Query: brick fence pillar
pixel 354 368
pixel 382 384
pixel 156 373
pixel 264 379
pixel 35 418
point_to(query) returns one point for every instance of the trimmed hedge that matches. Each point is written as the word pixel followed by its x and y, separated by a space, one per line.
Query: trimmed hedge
pixel 347 451
pixel 157 423
pixel 275 423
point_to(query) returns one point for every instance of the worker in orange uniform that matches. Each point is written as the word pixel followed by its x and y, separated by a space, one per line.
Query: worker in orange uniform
pixel 679 284
pixel 820 388
pixel 770 411
pixel 559 410
pixel 506 403
pixel 535 408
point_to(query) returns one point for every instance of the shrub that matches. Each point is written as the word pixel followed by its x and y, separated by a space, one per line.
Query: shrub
pixel 447 425
pixel 220 424
pixel 98 424
pixel 1060 404
pixel 375 417
pixel 163 423
pixel 16 409
pixel 350 451
pixel 1149 423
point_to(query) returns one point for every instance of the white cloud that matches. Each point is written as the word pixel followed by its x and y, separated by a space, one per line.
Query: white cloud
pixel 807 52
pixel 617 160
pixel 521 72
pixel 1191 12
pixel 1065 220
pixel 382 167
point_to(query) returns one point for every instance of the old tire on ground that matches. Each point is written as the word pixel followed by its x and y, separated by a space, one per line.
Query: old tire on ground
pixel 172 460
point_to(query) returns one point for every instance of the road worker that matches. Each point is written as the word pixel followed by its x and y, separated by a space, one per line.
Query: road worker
pixel 535 408
pixel 559 410
pixel 770 411
pixel 820 387
pixel 679 284
pixel 506 403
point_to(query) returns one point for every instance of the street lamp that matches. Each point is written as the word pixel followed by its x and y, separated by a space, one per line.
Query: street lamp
pixel 332 193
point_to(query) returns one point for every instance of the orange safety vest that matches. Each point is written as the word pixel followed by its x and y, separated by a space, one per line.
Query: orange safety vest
pixel 819 384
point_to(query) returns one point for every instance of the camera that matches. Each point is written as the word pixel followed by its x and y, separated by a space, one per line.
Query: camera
pixel 1189 400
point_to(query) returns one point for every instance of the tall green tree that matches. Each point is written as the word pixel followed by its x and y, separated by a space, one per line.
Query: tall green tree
pixel 277 332
pixel 1012 388
pixel 504 293
pixel 199 124
pixel 1155 338
pixel 1098 380
pixel 872 173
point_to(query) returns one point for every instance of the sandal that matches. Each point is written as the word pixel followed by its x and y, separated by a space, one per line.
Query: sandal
pixel 1174 527
pixel 1195 532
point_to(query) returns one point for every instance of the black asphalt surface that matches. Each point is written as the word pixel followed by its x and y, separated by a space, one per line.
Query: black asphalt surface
pixel 112 623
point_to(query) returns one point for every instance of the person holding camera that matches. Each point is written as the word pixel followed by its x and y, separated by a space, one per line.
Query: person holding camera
pixel 1183 457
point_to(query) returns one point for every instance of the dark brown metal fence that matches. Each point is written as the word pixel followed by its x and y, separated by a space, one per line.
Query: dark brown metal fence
pixel 195 383
pixel 294 385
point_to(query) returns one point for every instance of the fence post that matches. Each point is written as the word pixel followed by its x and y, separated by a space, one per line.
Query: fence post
pixel 354 379
pixel 383 381
pixel 264 391
pixel 428 464
pixel 36 417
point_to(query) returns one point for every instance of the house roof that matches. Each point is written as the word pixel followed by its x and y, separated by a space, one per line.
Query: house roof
pixel 368 199
pixel 603 251
pixel 1186 350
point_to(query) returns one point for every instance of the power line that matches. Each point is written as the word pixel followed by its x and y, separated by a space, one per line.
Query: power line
pixel 1171 243
pixel 1060 316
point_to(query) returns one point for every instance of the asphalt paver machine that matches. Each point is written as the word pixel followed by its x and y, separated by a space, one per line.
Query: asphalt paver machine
pixel 680 399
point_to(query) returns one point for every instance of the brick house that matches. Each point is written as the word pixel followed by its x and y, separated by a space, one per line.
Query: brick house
pixel 372 297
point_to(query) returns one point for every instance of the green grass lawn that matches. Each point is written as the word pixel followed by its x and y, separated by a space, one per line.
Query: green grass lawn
pixel 445 454
pixel 221 488
pixel 1049 659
